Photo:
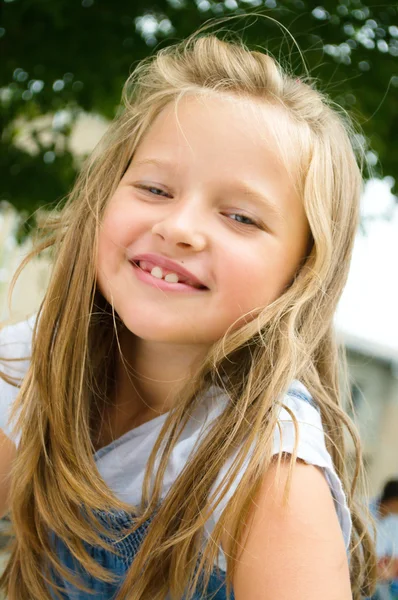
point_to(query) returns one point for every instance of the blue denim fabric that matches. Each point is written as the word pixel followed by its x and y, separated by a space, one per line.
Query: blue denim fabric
pixel 118 565
pixel 128 548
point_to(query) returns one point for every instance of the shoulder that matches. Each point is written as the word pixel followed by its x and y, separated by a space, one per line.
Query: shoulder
pixel 300 430
pixel 285 542
pixel 290 530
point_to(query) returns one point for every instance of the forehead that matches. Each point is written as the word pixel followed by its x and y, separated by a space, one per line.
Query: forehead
pixel 224 131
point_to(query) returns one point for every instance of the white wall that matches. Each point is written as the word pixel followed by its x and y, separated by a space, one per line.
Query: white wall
pixel 377 416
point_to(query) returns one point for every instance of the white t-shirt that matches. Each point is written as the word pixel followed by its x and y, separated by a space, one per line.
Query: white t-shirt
pixel 122 463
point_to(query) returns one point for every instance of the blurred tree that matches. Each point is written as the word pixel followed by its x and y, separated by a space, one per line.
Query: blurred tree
pixel 62 57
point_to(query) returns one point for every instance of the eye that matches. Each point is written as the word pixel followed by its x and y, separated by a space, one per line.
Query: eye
pixel 153 190
pixel 243 219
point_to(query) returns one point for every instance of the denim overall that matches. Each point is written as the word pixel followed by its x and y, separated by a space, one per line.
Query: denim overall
pixel 127 549
pixel 119 565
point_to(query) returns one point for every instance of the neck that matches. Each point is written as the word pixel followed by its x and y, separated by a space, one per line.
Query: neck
pixel 152 374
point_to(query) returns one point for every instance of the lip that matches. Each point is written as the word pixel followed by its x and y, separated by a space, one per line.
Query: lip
pixel 165 286
pixel 166 263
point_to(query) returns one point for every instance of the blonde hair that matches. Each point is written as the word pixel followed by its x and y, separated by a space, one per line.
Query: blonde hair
pixel 75 342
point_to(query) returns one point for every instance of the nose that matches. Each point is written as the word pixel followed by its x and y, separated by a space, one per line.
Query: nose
pixel 182 227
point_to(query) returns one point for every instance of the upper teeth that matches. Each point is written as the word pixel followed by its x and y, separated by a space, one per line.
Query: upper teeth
pixel 170 277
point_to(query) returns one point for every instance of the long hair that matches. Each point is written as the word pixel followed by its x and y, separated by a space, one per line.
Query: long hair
pixel 55 480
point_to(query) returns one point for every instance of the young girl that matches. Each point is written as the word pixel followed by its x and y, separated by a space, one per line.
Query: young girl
pixel 175 402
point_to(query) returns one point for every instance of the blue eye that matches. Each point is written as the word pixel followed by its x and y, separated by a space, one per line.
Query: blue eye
pixel 242 219
pixel 155 191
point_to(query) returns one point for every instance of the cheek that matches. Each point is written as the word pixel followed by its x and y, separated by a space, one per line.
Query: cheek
pixel 117 231
pixel 251 284
pixel 113 240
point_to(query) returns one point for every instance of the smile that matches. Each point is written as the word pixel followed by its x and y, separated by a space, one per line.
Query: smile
pixel 165 279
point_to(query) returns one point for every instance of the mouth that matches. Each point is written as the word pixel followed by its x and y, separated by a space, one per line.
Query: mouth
pixel 173 280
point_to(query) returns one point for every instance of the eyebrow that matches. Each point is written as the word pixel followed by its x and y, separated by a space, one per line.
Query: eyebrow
pixel 241 187
pixel 155 162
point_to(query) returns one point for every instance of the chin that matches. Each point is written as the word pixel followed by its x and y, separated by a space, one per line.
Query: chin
pixel 153 329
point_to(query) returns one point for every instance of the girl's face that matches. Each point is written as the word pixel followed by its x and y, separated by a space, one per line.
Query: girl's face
pixel 205 225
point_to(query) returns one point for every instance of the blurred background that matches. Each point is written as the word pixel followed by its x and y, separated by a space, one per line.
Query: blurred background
pixel 63 66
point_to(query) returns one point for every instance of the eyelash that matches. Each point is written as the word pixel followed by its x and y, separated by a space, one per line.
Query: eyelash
pixel 239 215
pixel 150 188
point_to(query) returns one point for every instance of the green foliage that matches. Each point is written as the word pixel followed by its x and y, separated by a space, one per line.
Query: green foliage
pixel 75 55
